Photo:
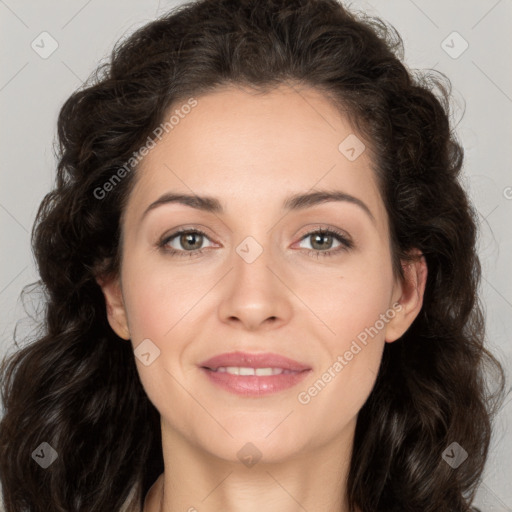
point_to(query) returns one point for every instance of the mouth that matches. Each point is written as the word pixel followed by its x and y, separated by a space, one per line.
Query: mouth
pixel 254 374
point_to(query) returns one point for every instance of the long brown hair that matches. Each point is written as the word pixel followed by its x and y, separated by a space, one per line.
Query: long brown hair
pixel 76 386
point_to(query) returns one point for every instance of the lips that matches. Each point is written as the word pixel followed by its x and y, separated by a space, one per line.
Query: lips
pixel 246 360
pixel 254 375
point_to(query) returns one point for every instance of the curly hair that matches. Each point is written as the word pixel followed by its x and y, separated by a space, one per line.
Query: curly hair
pixel 76 386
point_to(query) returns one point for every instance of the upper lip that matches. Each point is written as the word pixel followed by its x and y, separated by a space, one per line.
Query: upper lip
pixel 247 360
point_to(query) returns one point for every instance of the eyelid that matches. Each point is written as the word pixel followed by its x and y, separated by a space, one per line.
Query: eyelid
pixel 315 228
pixel 344 239
pixel 167 237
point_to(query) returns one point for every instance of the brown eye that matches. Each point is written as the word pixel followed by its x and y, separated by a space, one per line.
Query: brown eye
pixel 186 241
pixel 321 242
pixel 191 241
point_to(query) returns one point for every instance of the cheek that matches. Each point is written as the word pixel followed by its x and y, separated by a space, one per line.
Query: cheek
pixel 355 306
pixel 157 299
pixel 162 305
pixel 350 299
pixel 157 304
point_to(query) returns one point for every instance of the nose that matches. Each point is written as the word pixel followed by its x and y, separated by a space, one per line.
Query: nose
pixel 254 295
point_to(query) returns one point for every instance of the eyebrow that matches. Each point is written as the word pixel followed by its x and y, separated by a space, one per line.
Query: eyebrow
pixel 291 203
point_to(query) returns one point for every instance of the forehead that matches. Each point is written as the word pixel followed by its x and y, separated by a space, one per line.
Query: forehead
pixel 249 148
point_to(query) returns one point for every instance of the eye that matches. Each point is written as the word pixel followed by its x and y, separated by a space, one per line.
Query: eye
pixel 322 240
pixel 184 242
pixel 189 242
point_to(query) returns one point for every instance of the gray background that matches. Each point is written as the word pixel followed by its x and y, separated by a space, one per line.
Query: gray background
pixel 32 89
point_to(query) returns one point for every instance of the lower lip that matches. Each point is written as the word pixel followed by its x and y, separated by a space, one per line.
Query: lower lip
pixel 253 385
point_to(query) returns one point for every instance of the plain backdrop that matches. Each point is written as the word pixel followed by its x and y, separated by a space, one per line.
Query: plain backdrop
pixel 469 41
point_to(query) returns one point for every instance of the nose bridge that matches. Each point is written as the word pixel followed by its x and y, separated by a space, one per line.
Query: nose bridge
pixel 254 295
pixel 254 250
pixel 253 280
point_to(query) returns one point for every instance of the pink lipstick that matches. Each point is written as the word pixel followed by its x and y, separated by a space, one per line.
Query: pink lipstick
pixel 254 374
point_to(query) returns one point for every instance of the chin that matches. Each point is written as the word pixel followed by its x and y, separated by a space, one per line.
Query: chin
pixel 253 442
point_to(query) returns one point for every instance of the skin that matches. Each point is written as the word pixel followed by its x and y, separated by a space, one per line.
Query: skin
pixel 252 151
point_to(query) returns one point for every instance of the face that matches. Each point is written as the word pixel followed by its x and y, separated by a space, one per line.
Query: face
pixel 260 271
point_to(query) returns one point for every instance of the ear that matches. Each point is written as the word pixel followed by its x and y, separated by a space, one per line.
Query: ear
pixel 408 293
pixel 116 312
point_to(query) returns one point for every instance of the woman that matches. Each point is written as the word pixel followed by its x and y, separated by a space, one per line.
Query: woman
pixel 320 347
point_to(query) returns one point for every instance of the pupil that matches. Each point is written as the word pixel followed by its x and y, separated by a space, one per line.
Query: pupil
pixel 185 239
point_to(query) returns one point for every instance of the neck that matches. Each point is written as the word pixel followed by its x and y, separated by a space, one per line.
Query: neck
pixel 195 480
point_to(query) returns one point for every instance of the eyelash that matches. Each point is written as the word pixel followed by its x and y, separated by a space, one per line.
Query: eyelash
pixel 346 244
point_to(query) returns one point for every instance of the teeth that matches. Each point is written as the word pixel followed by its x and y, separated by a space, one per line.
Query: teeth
pixel 261 372
pixel 268 371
